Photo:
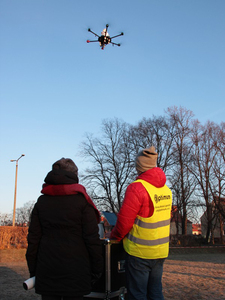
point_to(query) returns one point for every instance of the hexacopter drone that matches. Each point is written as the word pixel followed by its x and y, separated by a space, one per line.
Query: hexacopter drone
pixel 104 39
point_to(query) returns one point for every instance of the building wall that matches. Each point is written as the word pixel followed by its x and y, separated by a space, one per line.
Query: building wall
pixel 215 225
pixel 173 228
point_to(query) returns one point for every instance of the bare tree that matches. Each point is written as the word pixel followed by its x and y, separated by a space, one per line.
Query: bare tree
pixel 157 132
pixel 5 219
pixel 23 213
pixel 218 185
pixel 186 152
pixel 112 166
pixel 182 180
pixel 205 159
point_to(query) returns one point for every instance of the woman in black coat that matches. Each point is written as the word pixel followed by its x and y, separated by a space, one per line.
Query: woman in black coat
pixel 64 250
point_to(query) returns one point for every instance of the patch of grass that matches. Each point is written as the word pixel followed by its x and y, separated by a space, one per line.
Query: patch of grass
pixel 12 255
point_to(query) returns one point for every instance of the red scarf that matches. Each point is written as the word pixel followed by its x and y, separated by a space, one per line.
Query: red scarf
pixel 68 189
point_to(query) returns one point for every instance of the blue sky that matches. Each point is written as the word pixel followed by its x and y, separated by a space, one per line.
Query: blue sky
pixel 54 87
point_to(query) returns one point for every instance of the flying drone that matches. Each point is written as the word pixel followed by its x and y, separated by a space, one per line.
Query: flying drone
pixel 104 39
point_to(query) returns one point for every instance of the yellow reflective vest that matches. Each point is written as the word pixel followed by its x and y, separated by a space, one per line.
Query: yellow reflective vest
pixel 149 237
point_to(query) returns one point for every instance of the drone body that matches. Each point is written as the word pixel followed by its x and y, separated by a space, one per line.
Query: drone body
pixel 105 38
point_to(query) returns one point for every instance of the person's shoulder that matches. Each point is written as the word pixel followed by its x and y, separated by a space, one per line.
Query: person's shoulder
pixel 135 187
pixel 40 199
pixel 154 176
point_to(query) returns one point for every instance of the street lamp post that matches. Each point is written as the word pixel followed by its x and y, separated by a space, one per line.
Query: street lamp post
pixel 14 207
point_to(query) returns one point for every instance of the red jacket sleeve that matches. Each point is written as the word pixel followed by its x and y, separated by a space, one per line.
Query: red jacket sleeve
pixel 131 207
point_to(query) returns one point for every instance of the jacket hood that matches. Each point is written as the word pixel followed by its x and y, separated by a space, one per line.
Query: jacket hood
pixel 60 176
pixel 154 176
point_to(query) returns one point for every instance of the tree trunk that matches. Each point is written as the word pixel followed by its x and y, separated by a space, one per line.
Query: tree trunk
pixel 221 229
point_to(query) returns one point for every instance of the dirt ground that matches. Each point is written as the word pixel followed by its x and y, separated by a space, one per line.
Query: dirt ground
pixel 194 277
pixel 187 276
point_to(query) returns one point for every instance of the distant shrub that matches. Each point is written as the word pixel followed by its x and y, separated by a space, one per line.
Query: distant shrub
pixel 13 237
pixel 187 240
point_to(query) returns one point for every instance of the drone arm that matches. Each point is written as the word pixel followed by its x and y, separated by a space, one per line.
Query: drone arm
pixel 93 32
pixel 115 44
pixel 117 35
pixel 88 41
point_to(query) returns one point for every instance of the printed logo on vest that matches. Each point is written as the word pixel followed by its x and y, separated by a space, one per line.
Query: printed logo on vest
pixel 161 197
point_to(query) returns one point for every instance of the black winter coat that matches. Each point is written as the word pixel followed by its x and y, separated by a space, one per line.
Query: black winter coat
pixel 63 245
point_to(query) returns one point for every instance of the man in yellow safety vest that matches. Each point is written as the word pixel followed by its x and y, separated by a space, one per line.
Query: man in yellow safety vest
pixel 143 223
